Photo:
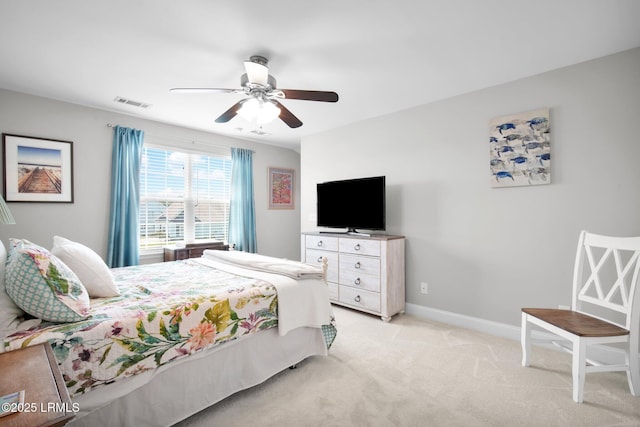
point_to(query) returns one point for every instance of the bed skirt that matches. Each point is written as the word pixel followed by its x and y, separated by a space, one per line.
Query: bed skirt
pixel 180 389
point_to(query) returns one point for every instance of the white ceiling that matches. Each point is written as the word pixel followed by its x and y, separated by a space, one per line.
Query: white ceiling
pixel 379 56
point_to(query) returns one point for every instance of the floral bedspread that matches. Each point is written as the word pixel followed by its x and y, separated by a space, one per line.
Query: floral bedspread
pixel 166 311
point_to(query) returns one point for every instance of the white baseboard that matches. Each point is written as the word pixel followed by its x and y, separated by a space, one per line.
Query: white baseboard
pixel 602 353
pixel 474 323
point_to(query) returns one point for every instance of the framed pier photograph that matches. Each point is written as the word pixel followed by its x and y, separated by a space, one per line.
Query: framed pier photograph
pixel 37 169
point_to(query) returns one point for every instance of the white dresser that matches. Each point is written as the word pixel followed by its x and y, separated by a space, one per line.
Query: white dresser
pixel 364 273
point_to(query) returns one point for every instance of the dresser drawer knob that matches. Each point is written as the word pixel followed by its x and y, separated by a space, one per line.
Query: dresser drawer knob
pixel 357 247
pixel 357 265
pixel 357 281
pixel 319 259
pixel 357 298
pixel 319 243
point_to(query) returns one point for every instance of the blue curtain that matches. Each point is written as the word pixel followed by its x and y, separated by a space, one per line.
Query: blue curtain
pixel 242 217
pixel 126 157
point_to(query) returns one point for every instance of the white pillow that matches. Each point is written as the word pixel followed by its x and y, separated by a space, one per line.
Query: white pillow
pixel 87 265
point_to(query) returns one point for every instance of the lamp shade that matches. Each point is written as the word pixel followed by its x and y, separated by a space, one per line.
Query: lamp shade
pixel 261 111
pixel 5 213
pixel 267 113
pixel 249 109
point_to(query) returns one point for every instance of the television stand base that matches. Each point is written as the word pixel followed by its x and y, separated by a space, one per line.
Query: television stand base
pixel 350 232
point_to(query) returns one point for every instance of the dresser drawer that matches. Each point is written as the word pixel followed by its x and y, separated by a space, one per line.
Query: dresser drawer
pixel 360 298
pixel 359 280
pixel 314 256
pixel 361 264
pixel 322 242
pixel 360 246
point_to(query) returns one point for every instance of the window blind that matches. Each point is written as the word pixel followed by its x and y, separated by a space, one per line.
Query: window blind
pixel 183 197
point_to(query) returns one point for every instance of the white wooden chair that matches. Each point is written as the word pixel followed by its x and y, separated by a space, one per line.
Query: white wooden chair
pixel 605 309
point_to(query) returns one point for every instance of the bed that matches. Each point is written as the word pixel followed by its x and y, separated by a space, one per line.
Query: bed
pixel 181 335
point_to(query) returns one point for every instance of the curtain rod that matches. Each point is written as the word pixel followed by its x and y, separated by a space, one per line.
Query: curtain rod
pixel 193 141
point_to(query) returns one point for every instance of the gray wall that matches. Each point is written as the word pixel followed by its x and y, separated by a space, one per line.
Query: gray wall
pixel 86 220
pixel 488 252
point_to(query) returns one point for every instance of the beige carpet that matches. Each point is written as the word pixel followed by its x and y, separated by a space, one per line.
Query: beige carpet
pixel 412 372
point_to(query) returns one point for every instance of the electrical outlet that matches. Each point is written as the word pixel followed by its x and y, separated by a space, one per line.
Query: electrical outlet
pixel 424 288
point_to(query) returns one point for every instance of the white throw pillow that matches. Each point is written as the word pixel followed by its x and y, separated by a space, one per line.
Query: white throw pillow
pixel 88 266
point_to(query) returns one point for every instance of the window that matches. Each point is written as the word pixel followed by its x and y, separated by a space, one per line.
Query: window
pixel 183 196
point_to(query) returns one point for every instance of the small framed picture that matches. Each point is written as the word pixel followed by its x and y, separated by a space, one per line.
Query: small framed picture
pixel 37 169
pixel 11 403
pixel 281 188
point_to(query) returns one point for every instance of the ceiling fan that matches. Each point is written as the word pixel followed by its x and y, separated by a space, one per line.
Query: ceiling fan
pixel 263 102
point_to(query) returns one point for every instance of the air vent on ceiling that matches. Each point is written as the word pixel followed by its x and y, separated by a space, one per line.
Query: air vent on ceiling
pixel 131 102
pixel 260 132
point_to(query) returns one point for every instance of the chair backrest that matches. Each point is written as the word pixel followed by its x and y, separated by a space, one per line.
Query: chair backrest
pixel 605 279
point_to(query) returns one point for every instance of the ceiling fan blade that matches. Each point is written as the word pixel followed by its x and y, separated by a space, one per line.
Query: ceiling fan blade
pixel 310 95
pixel 202 90
pixel 231 112
pixel 287 116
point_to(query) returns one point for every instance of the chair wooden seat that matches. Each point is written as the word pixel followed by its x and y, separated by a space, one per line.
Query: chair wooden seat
pixel 577 323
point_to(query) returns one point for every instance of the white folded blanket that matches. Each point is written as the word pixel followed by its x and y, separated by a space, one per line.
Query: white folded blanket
pixel 301 303
pixel 267 264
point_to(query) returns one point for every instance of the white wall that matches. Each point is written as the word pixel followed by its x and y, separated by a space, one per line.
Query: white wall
pixel 488 252
pixel 86 220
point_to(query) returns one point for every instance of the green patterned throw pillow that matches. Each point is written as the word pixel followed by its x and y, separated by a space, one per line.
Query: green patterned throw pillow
pixel 43 286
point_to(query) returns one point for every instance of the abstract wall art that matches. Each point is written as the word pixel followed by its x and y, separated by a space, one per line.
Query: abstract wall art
pixel 281 188
pixel 520 149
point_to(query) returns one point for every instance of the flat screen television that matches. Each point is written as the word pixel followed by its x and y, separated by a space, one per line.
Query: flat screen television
pixel 352 204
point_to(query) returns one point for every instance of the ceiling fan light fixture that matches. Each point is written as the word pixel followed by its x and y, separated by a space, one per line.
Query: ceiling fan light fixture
pixel 261 111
